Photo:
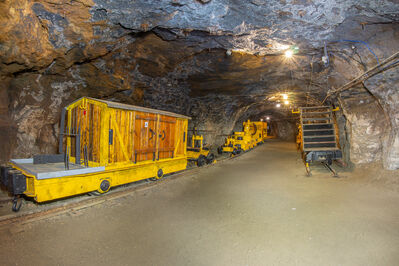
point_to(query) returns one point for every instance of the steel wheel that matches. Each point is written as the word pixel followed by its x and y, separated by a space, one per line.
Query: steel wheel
pixel 210 158
pixel 201 160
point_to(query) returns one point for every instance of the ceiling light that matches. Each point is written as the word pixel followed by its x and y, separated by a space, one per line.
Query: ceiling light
pixel 288 53
pixel 267 118
pixel 278 105
pixel 285 96
pixel 286 102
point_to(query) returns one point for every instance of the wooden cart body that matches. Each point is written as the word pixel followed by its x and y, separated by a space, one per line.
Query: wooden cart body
pixel 107 143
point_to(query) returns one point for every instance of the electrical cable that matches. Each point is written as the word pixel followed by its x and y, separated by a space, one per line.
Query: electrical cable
pixel 371 72
pixel 362 42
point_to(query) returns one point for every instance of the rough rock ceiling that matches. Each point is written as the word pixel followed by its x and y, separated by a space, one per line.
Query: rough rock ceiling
pixel 255 26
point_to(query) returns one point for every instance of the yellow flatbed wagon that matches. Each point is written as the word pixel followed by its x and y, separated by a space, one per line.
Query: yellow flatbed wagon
pixel 102 144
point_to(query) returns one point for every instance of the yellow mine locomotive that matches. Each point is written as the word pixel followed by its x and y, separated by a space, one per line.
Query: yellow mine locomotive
pixel 253 133
pixel 102 144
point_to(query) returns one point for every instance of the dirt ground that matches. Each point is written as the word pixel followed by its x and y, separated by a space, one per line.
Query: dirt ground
pixel 257 209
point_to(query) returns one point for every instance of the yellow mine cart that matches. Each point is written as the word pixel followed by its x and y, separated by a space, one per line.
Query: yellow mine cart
pixel 102 144
pixel 240 141
pixel 262 127
pixel 197 152
pixel 260 134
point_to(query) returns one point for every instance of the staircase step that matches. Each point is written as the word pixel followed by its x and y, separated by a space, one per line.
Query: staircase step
pixel 322 132
pixel 317 126
pixel 321 149
pixel 316 113
pixel 316 118
pixel 321 142
pixel 318 138
pixel 320 145
pixel 314 107
pixel 321 136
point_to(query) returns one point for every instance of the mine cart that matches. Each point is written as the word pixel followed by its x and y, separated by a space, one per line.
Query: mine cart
pixel 198 152
pixel 317 136
pixel 261 132
pixel 102 144
pixel 241 141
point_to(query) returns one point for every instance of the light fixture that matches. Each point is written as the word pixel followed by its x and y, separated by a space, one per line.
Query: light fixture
pixel 285 96
pixel 261 120
pixel 286 102
pixel 267 118
pixel 278 105
pixel 288 53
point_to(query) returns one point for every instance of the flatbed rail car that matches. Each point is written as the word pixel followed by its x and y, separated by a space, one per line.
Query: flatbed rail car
pixel 102 144
pixel 317 137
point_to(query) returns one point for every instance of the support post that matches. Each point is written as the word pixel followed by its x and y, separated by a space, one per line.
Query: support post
pixel 62 128
pixel 77 147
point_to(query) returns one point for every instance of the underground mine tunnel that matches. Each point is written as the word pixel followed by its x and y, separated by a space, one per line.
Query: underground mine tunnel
pixel 199 132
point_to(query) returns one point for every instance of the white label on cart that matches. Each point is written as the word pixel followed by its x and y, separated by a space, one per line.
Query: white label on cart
pixel 145 124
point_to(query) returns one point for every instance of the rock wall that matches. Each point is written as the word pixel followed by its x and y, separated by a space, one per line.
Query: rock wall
pixel 385 87
pixel 366 128
pixel 286 130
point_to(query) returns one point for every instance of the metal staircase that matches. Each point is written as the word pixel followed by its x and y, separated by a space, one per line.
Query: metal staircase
pixel 319 141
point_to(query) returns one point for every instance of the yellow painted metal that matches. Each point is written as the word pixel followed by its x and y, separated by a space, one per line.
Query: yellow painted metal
pixel 55 188
pixel 120 164
pixel 197 148
pixel 299 138
pixel 253 133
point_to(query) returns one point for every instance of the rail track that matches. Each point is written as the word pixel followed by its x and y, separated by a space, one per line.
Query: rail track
pixel 26 217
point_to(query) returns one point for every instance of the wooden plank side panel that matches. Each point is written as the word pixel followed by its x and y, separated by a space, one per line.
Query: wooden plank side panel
pixel 133 135
pixel 181 137
pixel 88 117
pixel 167 133
pixel 145 136
pixel 96 133
pixel 104 135
pixel 111 148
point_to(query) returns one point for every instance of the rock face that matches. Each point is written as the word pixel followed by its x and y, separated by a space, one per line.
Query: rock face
pixel 386 88
pixel 219 62
pixel 366 128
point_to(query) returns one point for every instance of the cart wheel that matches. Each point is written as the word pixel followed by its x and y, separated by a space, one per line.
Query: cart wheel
pixel 220 150
pixel 15 206
pixel 201 160
pixel 104 186
pixel 159 174
pixel 234 152
pixel 210 158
